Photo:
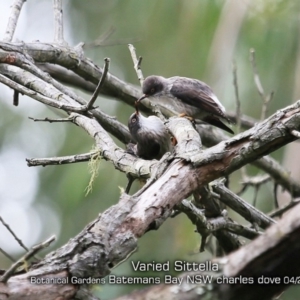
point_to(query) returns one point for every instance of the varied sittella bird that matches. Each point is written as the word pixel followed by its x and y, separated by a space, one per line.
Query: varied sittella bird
pixel 151 136
pixel 187 96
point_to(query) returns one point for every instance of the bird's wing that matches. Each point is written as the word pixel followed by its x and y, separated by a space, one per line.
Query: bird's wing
pixel 218 123
pixel 148 151
pixel 196 93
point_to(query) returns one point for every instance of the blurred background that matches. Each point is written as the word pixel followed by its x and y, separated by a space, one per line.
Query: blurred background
pixel 199 39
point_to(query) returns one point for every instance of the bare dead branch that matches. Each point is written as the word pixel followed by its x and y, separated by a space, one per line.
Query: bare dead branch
pixel 51 120
pixel 242 207
pixel 280 211
pixel 256 75
pixel 237 98
pixel 16 98
pixel 197 215
pixel 58 22
pixel 102 38
pixel 246 121
pixel 109 123
pixel 265 99
pixel 279 174
pixel 33 162
pixel 39 97
pixel 35 249
pixel 7 255
pixel 19 241
pixel 13 20
pixel 238 109
pixel 256 180
pixel 115 42
pixel 136 63
pixel 100 84
pixel 103 41
pixel 266 251
pixel 268 164
pixel 256 189
pixel 276 204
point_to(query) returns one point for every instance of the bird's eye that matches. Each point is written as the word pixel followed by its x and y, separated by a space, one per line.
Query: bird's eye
pixel 133 120
pixel 152 90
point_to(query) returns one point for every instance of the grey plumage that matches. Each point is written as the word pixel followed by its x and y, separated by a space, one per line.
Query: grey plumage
pixel 188 96
pixel 151 136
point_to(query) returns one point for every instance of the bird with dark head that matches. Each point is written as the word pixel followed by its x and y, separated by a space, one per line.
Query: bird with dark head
pixel 151 137
pixel 187 96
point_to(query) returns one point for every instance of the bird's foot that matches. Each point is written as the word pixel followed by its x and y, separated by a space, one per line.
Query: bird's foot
pixel 191 119
pixel 184 115
pixel 131 149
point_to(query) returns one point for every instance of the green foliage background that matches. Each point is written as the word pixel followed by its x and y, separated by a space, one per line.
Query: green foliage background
pixel 195 38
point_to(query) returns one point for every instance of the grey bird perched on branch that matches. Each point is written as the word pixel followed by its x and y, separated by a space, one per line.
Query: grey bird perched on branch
pixel 151 136
pixel 187 96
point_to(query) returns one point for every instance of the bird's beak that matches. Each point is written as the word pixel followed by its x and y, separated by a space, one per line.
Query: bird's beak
pixel 136 103
pixel 136 108
pixel 141 98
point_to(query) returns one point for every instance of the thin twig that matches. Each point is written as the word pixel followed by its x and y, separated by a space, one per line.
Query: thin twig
pixel 33 162
pixel 278 174
pixel 102 41
pixel 237 97
pixel 58 22
pixel 35 249
pixel 116 42
pixel 256 75
pixel 275 195
pixel 242 230
pixel 16 98
pixel 104 37
pixel 13 20
pixel 13 234
pixel 246 121
pixel 51 120
pixel 129 183
pixel 255 181
pixel 266 99
pixel 238 109
pixel 100 84
pixel 136 64
pixel 282 210
pixel 7 255
pixel 256 189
